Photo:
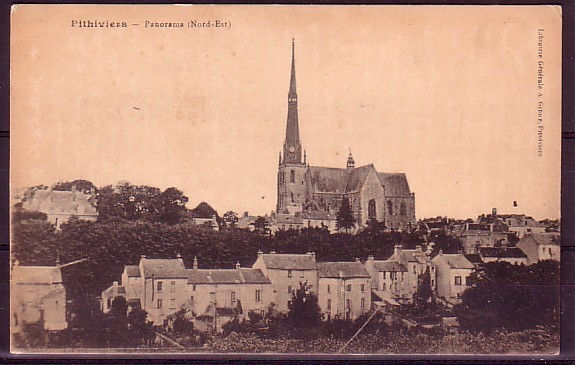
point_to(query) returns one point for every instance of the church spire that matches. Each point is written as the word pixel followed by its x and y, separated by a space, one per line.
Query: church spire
pixel 350 161
pixel 292 145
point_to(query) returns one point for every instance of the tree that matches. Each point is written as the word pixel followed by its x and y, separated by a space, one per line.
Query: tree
pixel 170 205
pixel 140 329
pixel 262 226
pixel 424 292
pixel 85 186
pixel 117 322
pixel 231 218
pixel 345 219
pixel 304 312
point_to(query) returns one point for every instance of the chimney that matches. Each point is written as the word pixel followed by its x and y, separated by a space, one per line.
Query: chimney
pixel 273 251
pixel 311 254
pixel 246 214
pixel 370 258
pixel 418 248
pixel 179 257
pixel 237 265
pixel 397 249
pixel 195 266
pixel 115 284
pixel 260 252
pixel 440 252
pixel 357 259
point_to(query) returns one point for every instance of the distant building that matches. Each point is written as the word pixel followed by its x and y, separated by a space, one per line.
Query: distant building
pixel 344 290
pixel 210 222
pixel 453 271
pixel 476 235
pixel 37 295
pixel 373 195
pixel 286 272
pixel 512 255
pixel 541 246
pixel 60 206
pixel 520 224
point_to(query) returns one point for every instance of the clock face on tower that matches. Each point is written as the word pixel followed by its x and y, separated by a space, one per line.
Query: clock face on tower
pixel 292 149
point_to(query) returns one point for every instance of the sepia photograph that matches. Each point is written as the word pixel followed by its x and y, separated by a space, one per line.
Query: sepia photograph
pixel 272 179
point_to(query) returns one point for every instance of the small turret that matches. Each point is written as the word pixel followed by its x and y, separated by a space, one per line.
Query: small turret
pixel 350 162
pixel 195 265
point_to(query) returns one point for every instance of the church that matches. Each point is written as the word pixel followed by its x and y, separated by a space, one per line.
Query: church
pixel 314 193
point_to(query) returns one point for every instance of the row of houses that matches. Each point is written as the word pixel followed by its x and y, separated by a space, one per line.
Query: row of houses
pixel 346 290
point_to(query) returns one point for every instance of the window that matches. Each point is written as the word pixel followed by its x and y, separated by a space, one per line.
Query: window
pixel 389 207
pixel 289 273
pixel 458 280
pixel 371 209
pixel 385 272
pixel 159 304
pixel 192 298
pixel 432 283
pixel 362 303
pixel 414 269
pixel 292 199
pixel 467 281
pixel 292 176
pixel 362 287
pixel 348 287
pixel 194 287
pixel 458 295
pixel 402 209
pixel 289 289
pixel 173 286
pixel 301 272
pixel 109 303
pixel 258 295
pixel 348 304
pixel 329 304
pixel 159 286
pixel 233 297
pixel 329 289
pixel 172 303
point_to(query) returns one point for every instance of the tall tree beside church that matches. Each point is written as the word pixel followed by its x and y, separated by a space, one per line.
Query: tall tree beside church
pixel 345 219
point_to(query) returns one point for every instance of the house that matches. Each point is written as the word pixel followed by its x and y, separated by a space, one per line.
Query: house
pixel 541 246
pixel 476 235
pixel 319 219
pixel 283 222
pixel 212 297
pixel 209 222
pixel 37 295
pixel 159 286
pixel 417 264
pixel 387 279
pixel 344 290
pixel 217 296
pixel 520 224
pixel 60 206
pixel 513 255
pixel 453 271
pixel 286 272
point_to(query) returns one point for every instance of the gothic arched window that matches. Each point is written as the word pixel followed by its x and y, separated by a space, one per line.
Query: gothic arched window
pixel 292 176
pixel 371 210
pixel 402 209
pixel 390 207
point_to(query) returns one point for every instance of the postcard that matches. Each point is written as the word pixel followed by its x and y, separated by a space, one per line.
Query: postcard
pixel 242 179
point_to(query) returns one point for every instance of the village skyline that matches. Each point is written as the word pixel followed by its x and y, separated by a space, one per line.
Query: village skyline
pixel 205 111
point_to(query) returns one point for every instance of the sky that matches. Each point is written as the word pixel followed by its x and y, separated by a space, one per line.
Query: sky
pixel 447 95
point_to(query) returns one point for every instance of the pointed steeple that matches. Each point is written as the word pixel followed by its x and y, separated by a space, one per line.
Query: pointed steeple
pixel 292 145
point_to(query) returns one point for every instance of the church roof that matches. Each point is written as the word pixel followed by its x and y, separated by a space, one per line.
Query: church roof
pixel 395 184
pixel 328 179
pixel 340 181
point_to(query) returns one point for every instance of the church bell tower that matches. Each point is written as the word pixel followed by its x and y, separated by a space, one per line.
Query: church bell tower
pixel 291 169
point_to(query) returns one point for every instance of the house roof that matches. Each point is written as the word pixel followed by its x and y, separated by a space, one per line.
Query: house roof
pixel 226 276
pixel 341 270
pixel 404 256
pixel 317 214
pixel 289 261
pixel 115 290
pixel 546 238
pixel 164 268
pixel 37 275
pixel 500 252
pixel 61 202
pixel 474 258
pixel 455 261
pixel 388 266
pixel 132 270
pixel 395 184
